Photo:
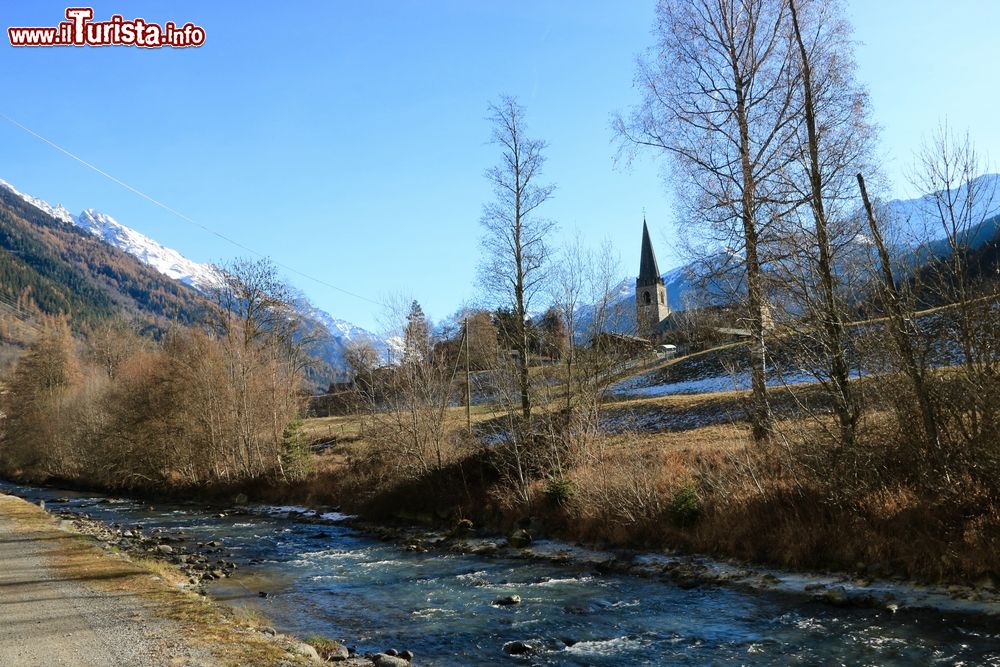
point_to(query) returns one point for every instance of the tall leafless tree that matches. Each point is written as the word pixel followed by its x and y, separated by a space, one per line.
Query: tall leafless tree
pixel 834 140
pixel 261 330
pixel 514 267
pixel 586 288
pixel 900 326
pixel 568 291
pixel 717 98
pixel 960 198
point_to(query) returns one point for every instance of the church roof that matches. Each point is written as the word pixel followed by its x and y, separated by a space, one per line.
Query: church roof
pixel 649 272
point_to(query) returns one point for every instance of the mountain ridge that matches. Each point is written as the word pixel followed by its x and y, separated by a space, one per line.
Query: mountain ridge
pixel 201 277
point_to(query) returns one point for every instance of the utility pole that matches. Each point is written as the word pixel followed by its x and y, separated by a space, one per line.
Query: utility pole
pixel 468 381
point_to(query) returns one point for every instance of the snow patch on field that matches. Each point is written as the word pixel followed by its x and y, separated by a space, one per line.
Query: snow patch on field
pixel 638 386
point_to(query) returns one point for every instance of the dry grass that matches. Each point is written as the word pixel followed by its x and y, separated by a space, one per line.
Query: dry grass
pixel 345 428
pixel 232 638
pixel 715 438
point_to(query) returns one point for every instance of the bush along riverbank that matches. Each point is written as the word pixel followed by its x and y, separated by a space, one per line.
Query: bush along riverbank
pixel 182 566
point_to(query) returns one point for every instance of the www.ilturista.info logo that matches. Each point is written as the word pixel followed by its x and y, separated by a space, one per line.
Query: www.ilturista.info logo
pixel 80 30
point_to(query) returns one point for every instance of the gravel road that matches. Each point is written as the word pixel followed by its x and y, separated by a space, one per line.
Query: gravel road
pixel 48 618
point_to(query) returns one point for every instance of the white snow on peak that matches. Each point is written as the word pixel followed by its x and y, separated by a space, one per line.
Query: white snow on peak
pixel 58 211
pixel 167 261
pixel 917 221
pixel 339 329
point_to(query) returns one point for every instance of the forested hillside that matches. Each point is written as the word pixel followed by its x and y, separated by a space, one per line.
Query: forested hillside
pixel 56 268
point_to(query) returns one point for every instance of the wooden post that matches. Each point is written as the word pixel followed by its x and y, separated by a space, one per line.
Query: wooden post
pixel 468 381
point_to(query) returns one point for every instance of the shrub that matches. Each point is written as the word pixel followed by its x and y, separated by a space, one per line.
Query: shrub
pixel 559 491
pixel 685 506
pixel 296 459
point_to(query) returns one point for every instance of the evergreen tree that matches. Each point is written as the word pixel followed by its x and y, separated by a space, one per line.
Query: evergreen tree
pixel 416 338
pixel 554 338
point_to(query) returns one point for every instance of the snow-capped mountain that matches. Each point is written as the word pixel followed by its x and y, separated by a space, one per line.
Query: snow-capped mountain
pixel 916 228
pixel 167 261
pixel 199 276
pixel 343 332
pixel 58 211
pixel 916 221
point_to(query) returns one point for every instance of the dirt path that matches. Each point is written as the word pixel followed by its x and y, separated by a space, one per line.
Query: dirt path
pixel 57 613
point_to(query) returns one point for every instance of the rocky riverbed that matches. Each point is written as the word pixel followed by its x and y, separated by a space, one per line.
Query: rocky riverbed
pixel 863 589
pixel 210 561
pixel 466 597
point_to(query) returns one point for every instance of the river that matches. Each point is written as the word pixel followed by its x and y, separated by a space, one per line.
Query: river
pixel 334 581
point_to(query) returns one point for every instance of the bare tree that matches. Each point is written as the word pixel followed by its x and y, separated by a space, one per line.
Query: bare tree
pixel 568 291
pixel 409 399
pixel 833 142
pixel 718 100
pixel 960 199
pixel 900 319
pixel 262 333
pixel 514 268
pixel 113 342
pixel 39 421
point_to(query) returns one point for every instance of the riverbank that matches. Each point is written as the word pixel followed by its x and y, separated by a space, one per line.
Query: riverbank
pixel 682 472
pixel 198 563
pixel 77 591
pixel 470 598
pixel 868 584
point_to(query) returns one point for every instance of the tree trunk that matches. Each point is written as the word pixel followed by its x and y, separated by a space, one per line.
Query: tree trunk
pixel 844 402
pixel 899 329
pixel 760 411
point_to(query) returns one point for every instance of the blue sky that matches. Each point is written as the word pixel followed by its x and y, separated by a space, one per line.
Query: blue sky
pixel 347 139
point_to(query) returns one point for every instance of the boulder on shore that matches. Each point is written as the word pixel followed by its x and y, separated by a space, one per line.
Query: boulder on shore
pixel 383 660
pixel 303 649
pixel 334 651
pixel 519 539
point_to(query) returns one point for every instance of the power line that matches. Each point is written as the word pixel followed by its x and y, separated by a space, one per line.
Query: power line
pixel 180 215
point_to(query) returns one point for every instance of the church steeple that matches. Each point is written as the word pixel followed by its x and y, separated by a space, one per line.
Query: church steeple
pixel 649 272
pixel 650 292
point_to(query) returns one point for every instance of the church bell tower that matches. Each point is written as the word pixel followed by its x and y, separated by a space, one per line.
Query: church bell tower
pixel 650 292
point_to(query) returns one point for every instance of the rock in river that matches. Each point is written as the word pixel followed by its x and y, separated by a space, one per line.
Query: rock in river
pixel 518 648
pixel 507 600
